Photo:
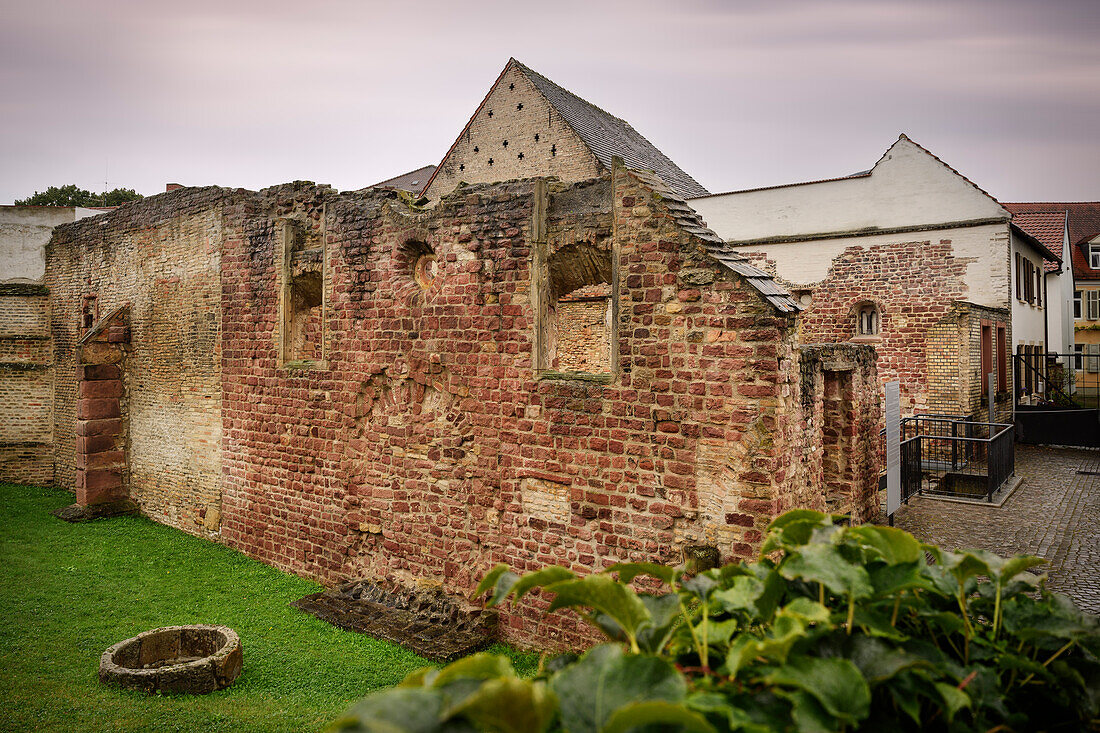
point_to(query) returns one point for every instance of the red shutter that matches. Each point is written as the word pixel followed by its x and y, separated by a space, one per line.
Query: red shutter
pixel 1002 359
pixel 987 355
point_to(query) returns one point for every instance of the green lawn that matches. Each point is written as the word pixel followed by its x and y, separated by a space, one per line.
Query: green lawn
pixel 69 591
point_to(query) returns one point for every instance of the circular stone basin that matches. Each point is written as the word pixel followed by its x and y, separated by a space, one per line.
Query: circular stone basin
pixel 182 659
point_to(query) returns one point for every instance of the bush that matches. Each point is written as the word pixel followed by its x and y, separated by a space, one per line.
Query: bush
pixel 834 628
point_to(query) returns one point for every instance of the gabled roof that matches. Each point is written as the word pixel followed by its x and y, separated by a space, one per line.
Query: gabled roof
pixel 413 181
pixel 690 221
pixel 607 136
pixel 1049 229
pixel 866 173
pixel 1083 222
pixel 604 134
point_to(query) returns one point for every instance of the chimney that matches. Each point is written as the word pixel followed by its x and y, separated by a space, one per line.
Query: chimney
pixel 172 187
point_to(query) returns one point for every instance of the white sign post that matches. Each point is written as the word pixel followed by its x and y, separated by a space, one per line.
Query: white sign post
pixel 893 447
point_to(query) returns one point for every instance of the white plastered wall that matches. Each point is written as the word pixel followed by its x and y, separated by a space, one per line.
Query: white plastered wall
pixel 908 187
pixel 1028 320
pixel 24 232
pixel 805 264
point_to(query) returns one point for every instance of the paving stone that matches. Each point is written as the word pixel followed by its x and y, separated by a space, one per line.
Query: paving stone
pixel 1055 514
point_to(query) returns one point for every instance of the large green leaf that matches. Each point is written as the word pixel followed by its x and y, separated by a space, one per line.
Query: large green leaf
pixel 508 705
pixel 628 571
pixel 953 698
pixel 794 529
pixel 538 579
pixel 835 683
pixel 480 666
pixel 890 579
pixel 665 614
pixel 741 595
pixel 892 545
pixel 878 661
pixel 822 563
pixel 606 595
pixel 394 711
pixel 653 712
pixel 785 631
pixel 500 579
pixel 605 679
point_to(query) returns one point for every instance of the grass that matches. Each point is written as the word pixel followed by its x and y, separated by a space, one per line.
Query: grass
pixel 69 591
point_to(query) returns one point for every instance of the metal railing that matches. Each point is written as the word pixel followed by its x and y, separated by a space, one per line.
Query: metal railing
pixel 1060 379
pixel 950 456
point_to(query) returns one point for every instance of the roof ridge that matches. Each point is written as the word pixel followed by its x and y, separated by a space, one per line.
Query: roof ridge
pixel 939 160
pixel 643 155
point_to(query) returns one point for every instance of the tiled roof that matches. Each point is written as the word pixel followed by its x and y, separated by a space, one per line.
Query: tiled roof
pixel 412 181
pixel 690 221
pixel 1084 225
pixel 607 136
pixel 1049 228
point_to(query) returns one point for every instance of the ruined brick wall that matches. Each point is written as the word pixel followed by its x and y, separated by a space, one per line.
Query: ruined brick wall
pixel 516 112
pixel 583 337
pixel 162 255
pixel 428 447
pixel 914 286
pixel 955 363
pixel 26 382
pixel 427 443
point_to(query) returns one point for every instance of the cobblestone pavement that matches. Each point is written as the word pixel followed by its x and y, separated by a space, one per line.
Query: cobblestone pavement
pixel 1055 514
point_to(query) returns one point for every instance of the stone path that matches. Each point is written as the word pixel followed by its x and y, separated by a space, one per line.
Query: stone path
pixel 1055 514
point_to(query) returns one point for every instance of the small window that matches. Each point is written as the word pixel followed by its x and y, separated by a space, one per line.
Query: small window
pixel 1092 305
pixel 1094 256
pixel 1078 354
pixel 1077 304
pixel 868 320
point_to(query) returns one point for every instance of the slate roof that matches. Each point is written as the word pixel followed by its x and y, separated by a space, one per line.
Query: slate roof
pixel 413 181
pixel 1084 225
pixel 607 136
pixel 690 221
pixel 1049 228
pixel 604 134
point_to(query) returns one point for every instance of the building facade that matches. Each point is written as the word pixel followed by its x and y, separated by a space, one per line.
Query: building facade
pixel 910 257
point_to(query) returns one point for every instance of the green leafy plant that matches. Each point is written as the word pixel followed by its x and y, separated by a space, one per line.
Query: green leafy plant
pixel 833 628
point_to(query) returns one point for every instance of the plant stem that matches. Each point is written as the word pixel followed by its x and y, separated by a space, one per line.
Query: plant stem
pixel 1053 656
pixel 851 612
pixel 821 594
pixel 997 611
pixel 897 605
pixel 691 628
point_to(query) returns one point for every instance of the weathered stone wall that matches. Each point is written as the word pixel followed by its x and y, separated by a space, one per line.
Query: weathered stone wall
pixel 583 338
pixel 26 379
pixel 162 255
pixel 915 286
pixel 516 112
pixel 427 443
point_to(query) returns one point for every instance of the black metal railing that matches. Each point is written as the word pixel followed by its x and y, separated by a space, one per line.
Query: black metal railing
pixel 1047 378
pixel 950 456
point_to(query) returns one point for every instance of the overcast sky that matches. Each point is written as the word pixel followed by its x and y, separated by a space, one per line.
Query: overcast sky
pixel 740 94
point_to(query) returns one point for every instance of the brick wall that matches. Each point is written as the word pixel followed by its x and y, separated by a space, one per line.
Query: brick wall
pixel 426 445
pixel 26 381
pixel 162 255
pixel 557 152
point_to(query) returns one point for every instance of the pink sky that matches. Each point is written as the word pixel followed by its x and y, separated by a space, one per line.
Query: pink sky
pixel 740 94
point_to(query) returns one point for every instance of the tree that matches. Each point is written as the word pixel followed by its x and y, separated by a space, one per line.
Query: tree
pixel 70 195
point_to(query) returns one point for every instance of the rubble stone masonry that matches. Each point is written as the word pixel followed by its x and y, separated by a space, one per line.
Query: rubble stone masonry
pixel 425 445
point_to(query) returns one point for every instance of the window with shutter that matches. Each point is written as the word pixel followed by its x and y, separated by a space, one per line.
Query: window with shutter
pixel 1076 303
pixel 1002 359
pixel 1019 278
pixel 1092 303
